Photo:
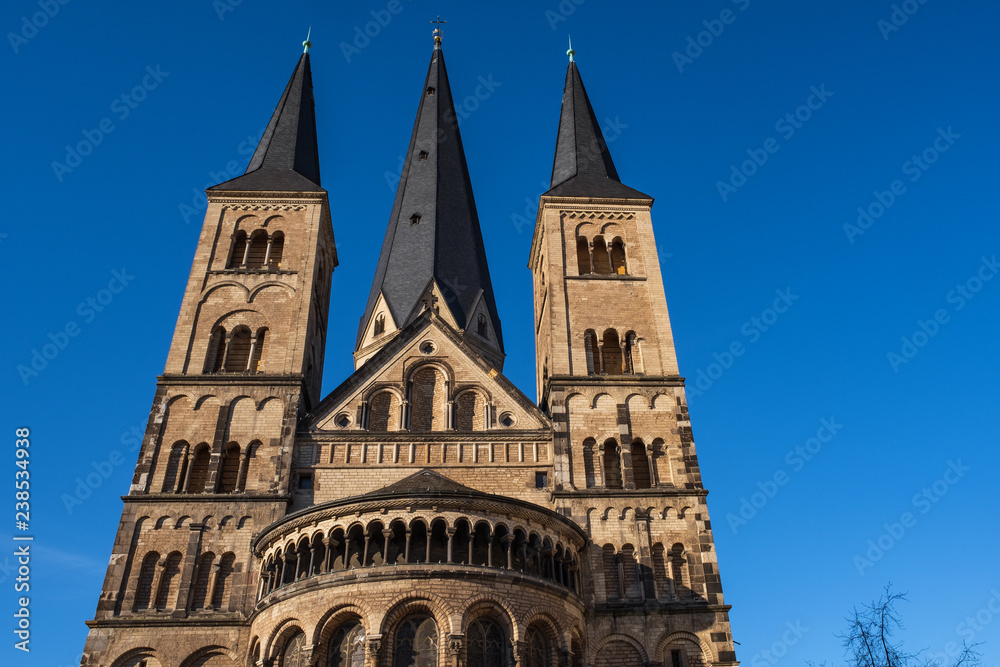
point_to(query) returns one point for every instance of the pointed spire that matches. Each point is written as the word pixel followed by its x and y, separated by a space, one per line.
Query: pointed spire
pixel 287 157
pixel 433 244
pixel 583 165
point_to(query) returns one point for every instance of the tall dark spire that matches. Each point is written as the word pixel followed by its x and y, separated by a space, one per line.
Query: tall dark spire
pixel 433 244
pixel 287 157
pixel 583 165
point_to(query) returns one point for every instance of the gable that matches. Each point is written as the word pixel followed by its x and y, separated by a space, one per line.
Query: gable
pixel 425 379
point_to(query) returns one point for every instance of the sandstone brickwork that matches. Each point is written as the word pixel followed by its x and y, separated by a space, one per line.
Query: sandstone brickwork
pixel 425 512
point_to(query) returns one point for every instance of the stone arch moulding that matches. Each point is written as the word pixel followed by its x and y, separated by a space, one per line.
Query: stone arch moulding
pixel 263 286
pixel 336 615
pixel 618 637
pixel 483 605
pixel 408 603
pixel 209 651
pixel 132 654
pixel 688 637
pixel 280 633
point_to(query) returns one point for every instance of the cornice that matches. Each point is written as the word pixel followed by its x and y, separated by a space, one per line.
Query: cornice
pixel 376 502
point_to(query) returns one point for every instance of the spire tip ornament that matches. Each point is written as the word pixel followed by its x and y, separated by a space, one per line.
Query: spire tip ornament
pixel 438 32
pixel 570 52
pixel 306 45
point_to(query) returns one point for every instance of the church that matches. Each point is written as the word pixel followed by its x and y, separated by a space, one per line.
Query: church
pixel 426 512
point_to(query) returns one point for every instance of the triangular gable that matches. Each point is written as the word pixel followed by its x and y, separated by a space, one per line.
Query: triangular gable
pixel 387 370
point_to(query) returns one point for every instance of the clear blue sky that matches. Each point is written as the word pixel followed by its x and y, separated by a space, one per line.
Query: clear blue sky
pixel 677 129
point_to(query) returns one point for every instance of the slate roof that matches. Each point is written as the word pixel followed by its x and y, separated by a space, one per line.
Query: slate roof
pixel 424 481
pixel 583 165
pixel 287 157
pixel 446 244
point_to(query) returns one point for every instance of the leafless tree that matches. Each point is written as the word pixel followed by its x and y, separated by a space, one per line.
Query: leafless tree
pixel 869 639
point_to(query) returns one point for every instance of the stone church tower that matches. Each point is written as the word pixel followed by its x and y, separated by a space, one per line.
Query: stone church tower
pixel 426 512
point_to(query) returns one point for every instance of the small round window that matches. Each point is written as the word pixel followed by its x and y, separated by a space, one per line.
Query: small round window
pixel 507 419
pixel 343 420
pixel 427 347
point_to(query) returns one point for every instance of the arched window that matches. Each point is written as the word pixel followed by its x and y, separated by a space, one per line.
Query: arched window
pixel 144 586
pixel 251 469
pixel 481 327
pixel 602 260
pixel 612 583
pixel 220 597
pixel 379 324
pixel 230 468
pixel 536 649
pixel 199 469
pixel 640 466
pixel 347 646
pixel 630 573
pixel 618 257
pixel 592 351
pixel 216 351
pixel 277 249
pixel 469 412
pixel 418 543
pixel 427 401
pixel 294 654
pixel 660 572
pixel 612 351
pixel 175 464
pixel 383 412
pixel 416 643
pixel 202 580
pixel 238 354
pixel 257 250
pixel 238 250
pixel 612 465
pixel 583 256
pixel 488 646
pixel 170 581
pixel 677 565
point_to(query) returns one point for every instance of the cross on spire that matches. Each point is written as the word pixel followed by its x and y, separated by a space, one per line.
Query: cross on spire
pixel 438 32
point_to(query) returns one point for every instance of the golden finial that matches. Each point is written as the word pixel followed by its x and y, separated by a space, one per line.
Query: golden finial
pixel 437 32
